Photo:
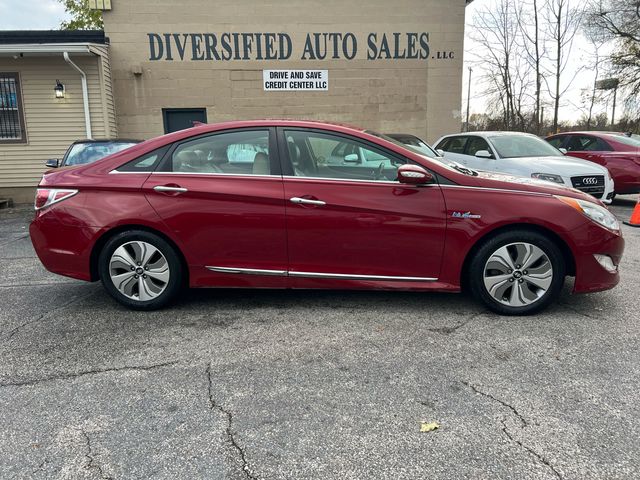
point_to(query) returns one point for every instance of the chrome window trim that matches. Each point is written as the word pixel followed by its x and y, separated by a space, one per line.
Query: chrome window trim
pixel 338 276
pixel 383 182
pixel 250 175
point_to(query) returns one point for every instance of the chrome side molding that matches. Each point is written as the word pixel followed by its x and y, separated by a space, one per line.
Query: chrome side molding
pixel 248 271
pixel 336 276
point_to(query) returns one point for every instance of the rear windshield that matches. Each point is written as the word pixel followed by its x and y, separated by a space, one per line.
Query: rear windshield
pixel 82 153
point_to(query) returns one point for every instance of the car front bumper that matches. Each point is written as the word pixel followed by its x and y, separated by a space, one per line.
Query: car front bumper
pixel 593 240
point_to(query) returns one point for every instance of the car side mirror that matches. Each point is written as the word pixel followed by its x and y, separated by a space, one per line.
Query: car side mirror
pixel 53 163
pixel 440 152
pixel 563 150
pixel 483 154
pixel 414 175
pixel 352 158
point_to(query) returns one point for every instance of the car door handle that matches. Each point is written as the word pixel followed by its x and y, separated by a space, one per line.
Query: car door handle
pixel 166 188
pixel 306 201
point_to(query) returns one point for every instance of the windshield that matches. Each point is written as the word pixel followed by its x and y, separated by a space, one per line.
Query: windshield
pixel 633 140
pixel 82 153
pixel 518 146
pixel 451 165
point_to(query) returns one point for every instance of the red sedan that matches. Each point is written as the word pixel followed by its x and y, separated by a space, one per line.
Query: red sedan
pixel 618 152
pixel 300 204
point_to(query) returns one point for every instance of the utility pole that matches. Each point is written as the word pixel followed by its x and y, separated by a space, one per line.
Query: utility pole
pixel 469 99
pixel 613 113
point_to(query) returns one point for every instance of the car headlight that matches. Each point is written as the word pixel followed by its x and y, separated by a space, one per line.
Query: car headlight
pixel 595 212
pixel 549 177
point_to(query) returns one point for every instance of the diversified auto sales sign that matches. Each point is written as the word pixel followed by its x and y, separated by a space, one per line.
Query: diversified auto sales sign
pixel 235 46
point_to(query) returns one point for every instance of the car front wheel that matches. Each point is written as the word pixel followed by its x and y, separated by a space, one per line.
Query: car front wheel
pixel 140 270
pixel 517 273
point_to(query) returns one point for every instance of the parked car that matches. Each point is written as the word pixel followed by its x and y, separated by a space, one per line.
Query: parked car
pixel 618 152
pixel 528 156
pixel 416 143
pixel 88 151
pixel 175 211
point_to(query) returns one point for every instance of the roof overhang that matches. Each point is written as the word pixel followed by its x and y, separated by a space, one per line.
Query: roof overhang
pixel 45 49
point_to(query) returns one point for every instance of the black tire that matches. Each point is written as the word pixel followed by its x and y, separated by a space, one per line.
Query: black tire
pixel 166 292
pixel 476 272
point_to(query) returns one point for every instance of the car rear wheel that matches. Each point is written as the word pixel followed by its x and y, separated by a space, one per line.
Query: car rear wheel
pixel 140 270
pixel 517 273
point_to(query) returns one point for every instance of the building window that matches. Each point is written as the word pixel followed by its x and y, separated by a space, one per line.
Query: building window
pixel 11 114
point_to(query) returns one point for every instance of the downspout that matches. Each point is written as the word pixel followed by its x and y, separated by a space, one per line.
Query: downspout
pixel 85 94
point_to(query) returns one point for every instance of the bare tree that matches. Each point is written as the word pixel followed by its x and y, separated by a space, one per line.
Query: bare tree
pixel 562 20
pixel 535 50
pixel 619 20
pixel 496 31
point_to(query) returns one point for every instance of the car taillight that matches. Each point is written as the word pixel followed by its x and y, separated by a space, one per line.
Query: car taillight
pixel 49 196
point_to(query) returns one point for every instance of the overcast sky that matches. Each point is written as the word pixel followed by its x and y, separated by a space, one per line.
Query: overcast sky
pixel 48 14
pixel 31 14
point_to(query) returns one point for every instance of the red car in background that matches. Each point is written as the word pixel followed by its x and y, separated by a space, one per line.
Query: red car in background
pixel 302 204
pixel 618 152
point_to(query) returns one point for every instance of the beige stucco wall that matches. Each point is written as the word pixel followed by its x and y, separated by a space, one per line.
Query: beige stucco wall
pixel 414 96
pixel 52 124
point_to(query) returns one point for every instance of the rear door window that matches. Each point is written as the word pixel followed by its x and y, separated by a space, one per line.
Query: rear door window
pixel 453 144
pixel 587 143
pixel 241 153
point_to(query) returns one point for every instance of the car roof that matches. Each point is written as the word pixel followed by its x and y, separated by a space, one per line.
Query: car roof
pixel 490 133
pixel 595 133
pixel 105 140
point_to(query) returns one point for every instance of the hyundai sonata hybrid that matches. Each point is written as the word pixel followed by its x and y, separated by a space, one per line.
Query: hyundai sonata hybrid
pixel 269 204
pixel 523 154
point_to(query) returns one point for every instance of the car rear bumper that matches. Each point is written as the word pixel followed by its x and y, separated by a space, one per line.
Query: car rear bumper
pixel 590 275
pixel 62 249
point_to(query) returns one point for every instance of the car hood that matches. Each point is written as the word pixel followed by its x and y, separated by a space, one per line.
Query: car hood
pixel 527 184
pixel 562 165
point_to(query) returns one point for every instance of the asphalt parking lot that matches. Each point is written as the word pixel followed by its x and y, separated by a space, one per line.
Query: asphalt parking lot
pixel 244 384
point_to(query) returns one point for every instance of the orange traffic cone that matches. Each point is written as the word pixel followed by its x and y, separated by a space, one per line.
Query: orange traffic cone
pixel 634 221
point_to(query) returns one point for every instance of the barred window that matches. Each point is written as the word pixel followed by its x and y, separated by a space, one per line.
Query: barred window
pixel 11 113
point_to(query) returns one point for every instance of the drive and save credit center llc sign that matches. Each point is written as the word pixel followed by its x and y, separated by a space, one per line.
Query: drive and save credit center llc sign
pixel 292 80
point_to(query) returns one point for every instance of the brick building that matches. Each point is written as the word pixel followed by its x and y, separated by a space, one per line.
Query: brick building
pixel 391 66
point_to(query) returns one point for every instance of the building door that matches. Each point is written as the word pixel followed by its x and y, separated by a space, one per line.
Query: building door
pixel 175 119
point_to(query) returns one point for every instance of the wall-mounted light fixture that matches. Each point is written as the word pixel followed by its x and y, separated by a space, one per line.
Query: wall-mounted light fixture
pixel 59 89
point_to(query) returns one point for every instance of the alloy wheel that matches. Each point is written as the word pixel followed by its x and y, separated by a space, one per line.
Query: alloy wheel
pixel 139 270
pixel 518 274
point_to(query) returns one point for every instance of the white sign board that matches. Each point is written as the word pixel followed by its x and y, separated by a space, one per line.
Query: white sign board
pixel 295 80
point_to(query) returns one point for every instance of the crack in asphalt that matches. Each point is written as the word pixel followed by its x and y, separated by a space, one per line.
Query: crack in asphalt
pixel 454 328
pixel 504 404
pixel 40 467
pixel 14 240
pixel 70 376
pixel 48 314
pixel 505 430
pixel 574 309
pixel 90 458
pixel 232 440
pixel 529 449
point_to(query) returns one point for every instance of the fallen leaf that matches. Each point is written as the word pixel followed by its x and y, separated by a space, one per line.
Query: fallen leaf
pixel 429 426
